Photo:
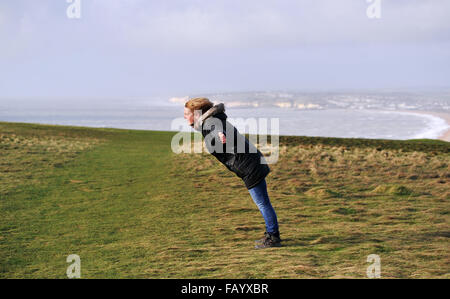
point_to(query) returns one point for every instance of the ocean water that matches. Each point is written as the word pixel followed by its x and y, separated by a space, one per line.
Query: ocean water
pixel 326 123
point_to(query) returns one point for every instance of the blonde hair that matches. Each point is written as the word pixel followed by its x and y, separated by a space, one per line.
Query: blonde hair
pixel 203 104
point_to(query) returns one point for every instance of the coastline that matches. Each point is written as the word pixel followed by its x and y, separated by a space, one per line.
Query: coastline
pixel 446 116
pixel 438 122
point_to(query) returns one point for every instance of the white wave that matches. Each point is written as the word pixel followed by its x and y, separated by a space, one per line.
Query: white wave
pixel 435 126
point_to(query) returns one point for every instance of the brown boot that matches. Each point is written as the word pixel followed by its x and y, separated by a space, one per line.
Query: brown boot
pixel 260 241
pixel 269 240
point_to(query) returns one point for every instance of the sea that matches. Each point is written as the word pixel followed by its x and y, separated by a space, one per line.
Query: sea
pixel 159 114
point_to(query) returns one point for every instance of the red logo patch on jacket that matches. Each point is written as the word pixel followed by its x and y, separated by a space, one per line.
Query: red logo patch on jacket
pixel 222 137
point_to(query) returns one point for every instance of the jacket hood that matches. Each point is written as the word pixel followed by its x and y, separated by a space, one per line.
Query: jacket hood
pixel 216 111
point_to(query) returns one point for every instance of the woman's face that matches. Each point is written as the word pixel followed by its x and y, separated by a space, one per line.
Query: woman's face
pixel 189 116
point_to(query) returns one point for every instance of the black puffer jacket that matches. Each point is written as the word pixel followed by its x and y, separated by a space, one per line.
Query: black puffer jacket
pixel 245 164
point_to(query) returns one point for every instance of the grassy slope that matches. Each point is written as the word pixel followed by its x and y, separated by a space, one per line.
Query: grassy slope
pixel 129 207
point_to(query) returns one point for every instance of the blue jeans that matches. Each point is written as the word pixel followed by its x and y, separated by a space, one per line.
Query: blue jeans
pixel 261 199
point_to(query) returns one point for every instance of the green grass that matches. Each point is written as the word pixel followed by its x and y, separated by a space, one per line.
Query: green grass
pixel 130 208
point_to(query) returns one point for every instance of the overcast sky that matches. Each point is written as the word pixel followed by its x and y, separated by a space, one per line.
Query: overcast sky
pixel 181 47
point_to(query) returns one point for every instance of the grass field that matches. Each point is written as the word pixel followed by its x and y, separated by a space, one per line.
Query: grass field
pixel 130 208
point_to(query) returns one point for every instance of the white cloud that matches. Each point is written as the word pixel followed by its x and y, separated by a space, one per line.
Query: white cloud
pixel 269 23
pixel 196 24
pixel 135 46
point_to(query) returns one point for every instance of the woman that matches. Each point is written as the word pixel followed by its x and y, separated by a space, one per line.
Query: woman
pixel 237 154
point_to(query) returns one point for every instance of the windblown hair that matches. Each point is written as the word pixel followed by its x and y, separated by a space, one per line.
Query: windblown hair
pixel 203 104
